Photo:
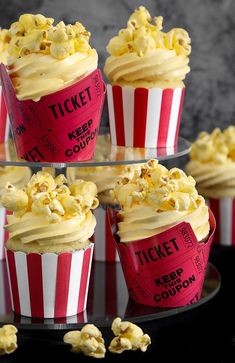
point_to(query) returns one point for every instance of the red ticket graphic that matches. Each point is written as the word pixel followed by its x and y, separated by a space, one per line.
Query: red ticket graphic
pixel 166 270
pixel 62 126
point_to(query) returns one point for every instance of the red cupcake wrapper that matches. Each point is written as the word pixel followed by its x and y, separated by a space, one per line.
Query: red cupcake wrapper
pixel 105 248
pixel 3 232
pixel 4 119
pixel 141 117
pixel 5 298
pixel 224 212
pixel 49 285
pixel 166 270
pixel 62 126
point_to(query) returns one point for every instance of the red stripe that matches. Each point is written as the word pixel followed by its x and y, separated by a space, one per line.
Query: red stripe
pixel 3 118
pixel 179 115
pixel 84 280
pixel 110 248
pixel 13 279
pixel 110 289
pixel 34 264
pixel 214 206
pixel 6 289
pixel 118 115
pixel 233 223
pixel 165 114
pixel 62 284
pixel 140 116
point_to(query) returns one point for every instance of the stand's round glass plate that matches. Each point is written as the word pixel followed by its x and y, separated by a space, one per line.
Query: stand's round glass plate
pixel 105 154
pixel 107 299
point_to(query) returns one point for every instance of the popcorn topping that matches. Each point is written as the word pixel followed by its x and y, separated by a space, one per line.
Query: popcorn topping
pixel 128 337
pixel 143 36
pixel 51 197
pixel 8 339
pixel 217 147
pixel 88 341
pixel 36 34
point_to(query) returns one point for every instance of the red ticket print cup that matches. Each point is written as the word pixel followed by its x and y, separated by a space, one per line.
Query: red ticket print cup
pixel 3 232
pixel 105 248
pixel 166 270
pixel 62 126
pixel 49 285
pixel 141 117
pixel 4 119
pixel 224 212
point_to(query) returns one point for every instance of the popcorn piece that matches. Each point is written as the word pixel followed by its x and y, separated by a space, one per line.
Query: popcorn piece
pixel 8 339
pixel 158 187
pixel 217 147
pixel 88 341
pixel 142 36
pixel 128 337
pixel 51 197
pixel 36 34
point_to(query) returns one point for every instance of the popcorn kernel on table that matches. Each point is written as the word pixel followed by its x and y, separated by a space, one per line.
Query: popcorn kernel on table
pixel 88 341
pixel 129 336
pixel 8 339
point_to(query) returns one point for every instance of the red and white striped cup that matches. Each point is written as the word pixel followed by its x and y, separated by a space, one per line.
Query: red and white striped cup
pixel 141 117
pixel 3 232
pixel 224 212
pixel 5 299
pixel 105 248
pixel 49 285
pixel 4 119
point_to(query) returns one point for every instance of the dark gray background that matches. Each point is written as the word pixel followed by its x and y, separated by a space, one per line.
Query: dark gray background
pixel 209 99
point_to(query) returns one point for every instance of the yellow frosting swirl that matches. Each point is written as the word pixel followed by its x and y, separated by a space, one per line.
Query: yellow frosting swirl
pixel 18 176
pixel 5 38
pixel 142 52
pixel 212 163
pixel 44 58
pixel 158 199
pixel 48 213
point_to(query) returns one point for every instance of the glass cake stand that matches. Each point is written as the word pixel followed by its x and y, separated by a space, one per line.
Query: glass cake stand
pixel 107 299
pixel 108 295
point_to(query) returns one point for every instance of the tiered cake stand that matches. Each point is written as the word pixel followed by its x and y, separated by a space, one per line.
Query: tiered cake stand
pixel 108 295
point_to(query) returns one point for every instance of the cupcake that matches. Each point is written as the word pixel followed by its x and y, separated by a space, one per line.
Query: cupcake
pixel 4 120
pixel 163 234
pixel 48 251
pixel 212 165
pixel 19 176
pixel 53 89
pixel 146 69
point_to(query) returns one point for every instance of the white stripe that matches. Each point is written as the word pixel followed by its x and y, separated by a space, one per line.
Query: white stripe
pixel 88 276
pixel 3 308
pixel 2 231
pixel 153 117
pixel 122 292
pixel 128 97
pixel 49 271
pixel 226 205
pixel 100 238
pixel 175 106
pixel 7 130
pixel 170 150
pixel 111 114
pixel 9 282
pixel 74 283
pixel 116 254
pixel 23 285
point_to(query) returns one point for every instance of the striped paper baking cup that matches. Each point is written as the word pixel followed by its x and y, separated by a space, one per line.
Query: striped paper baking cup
pixel 105 248
pixel 3 232
pixel 224 212
pixel 49 285
pixel 5 299
pixel 4 119
pixel 141 117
